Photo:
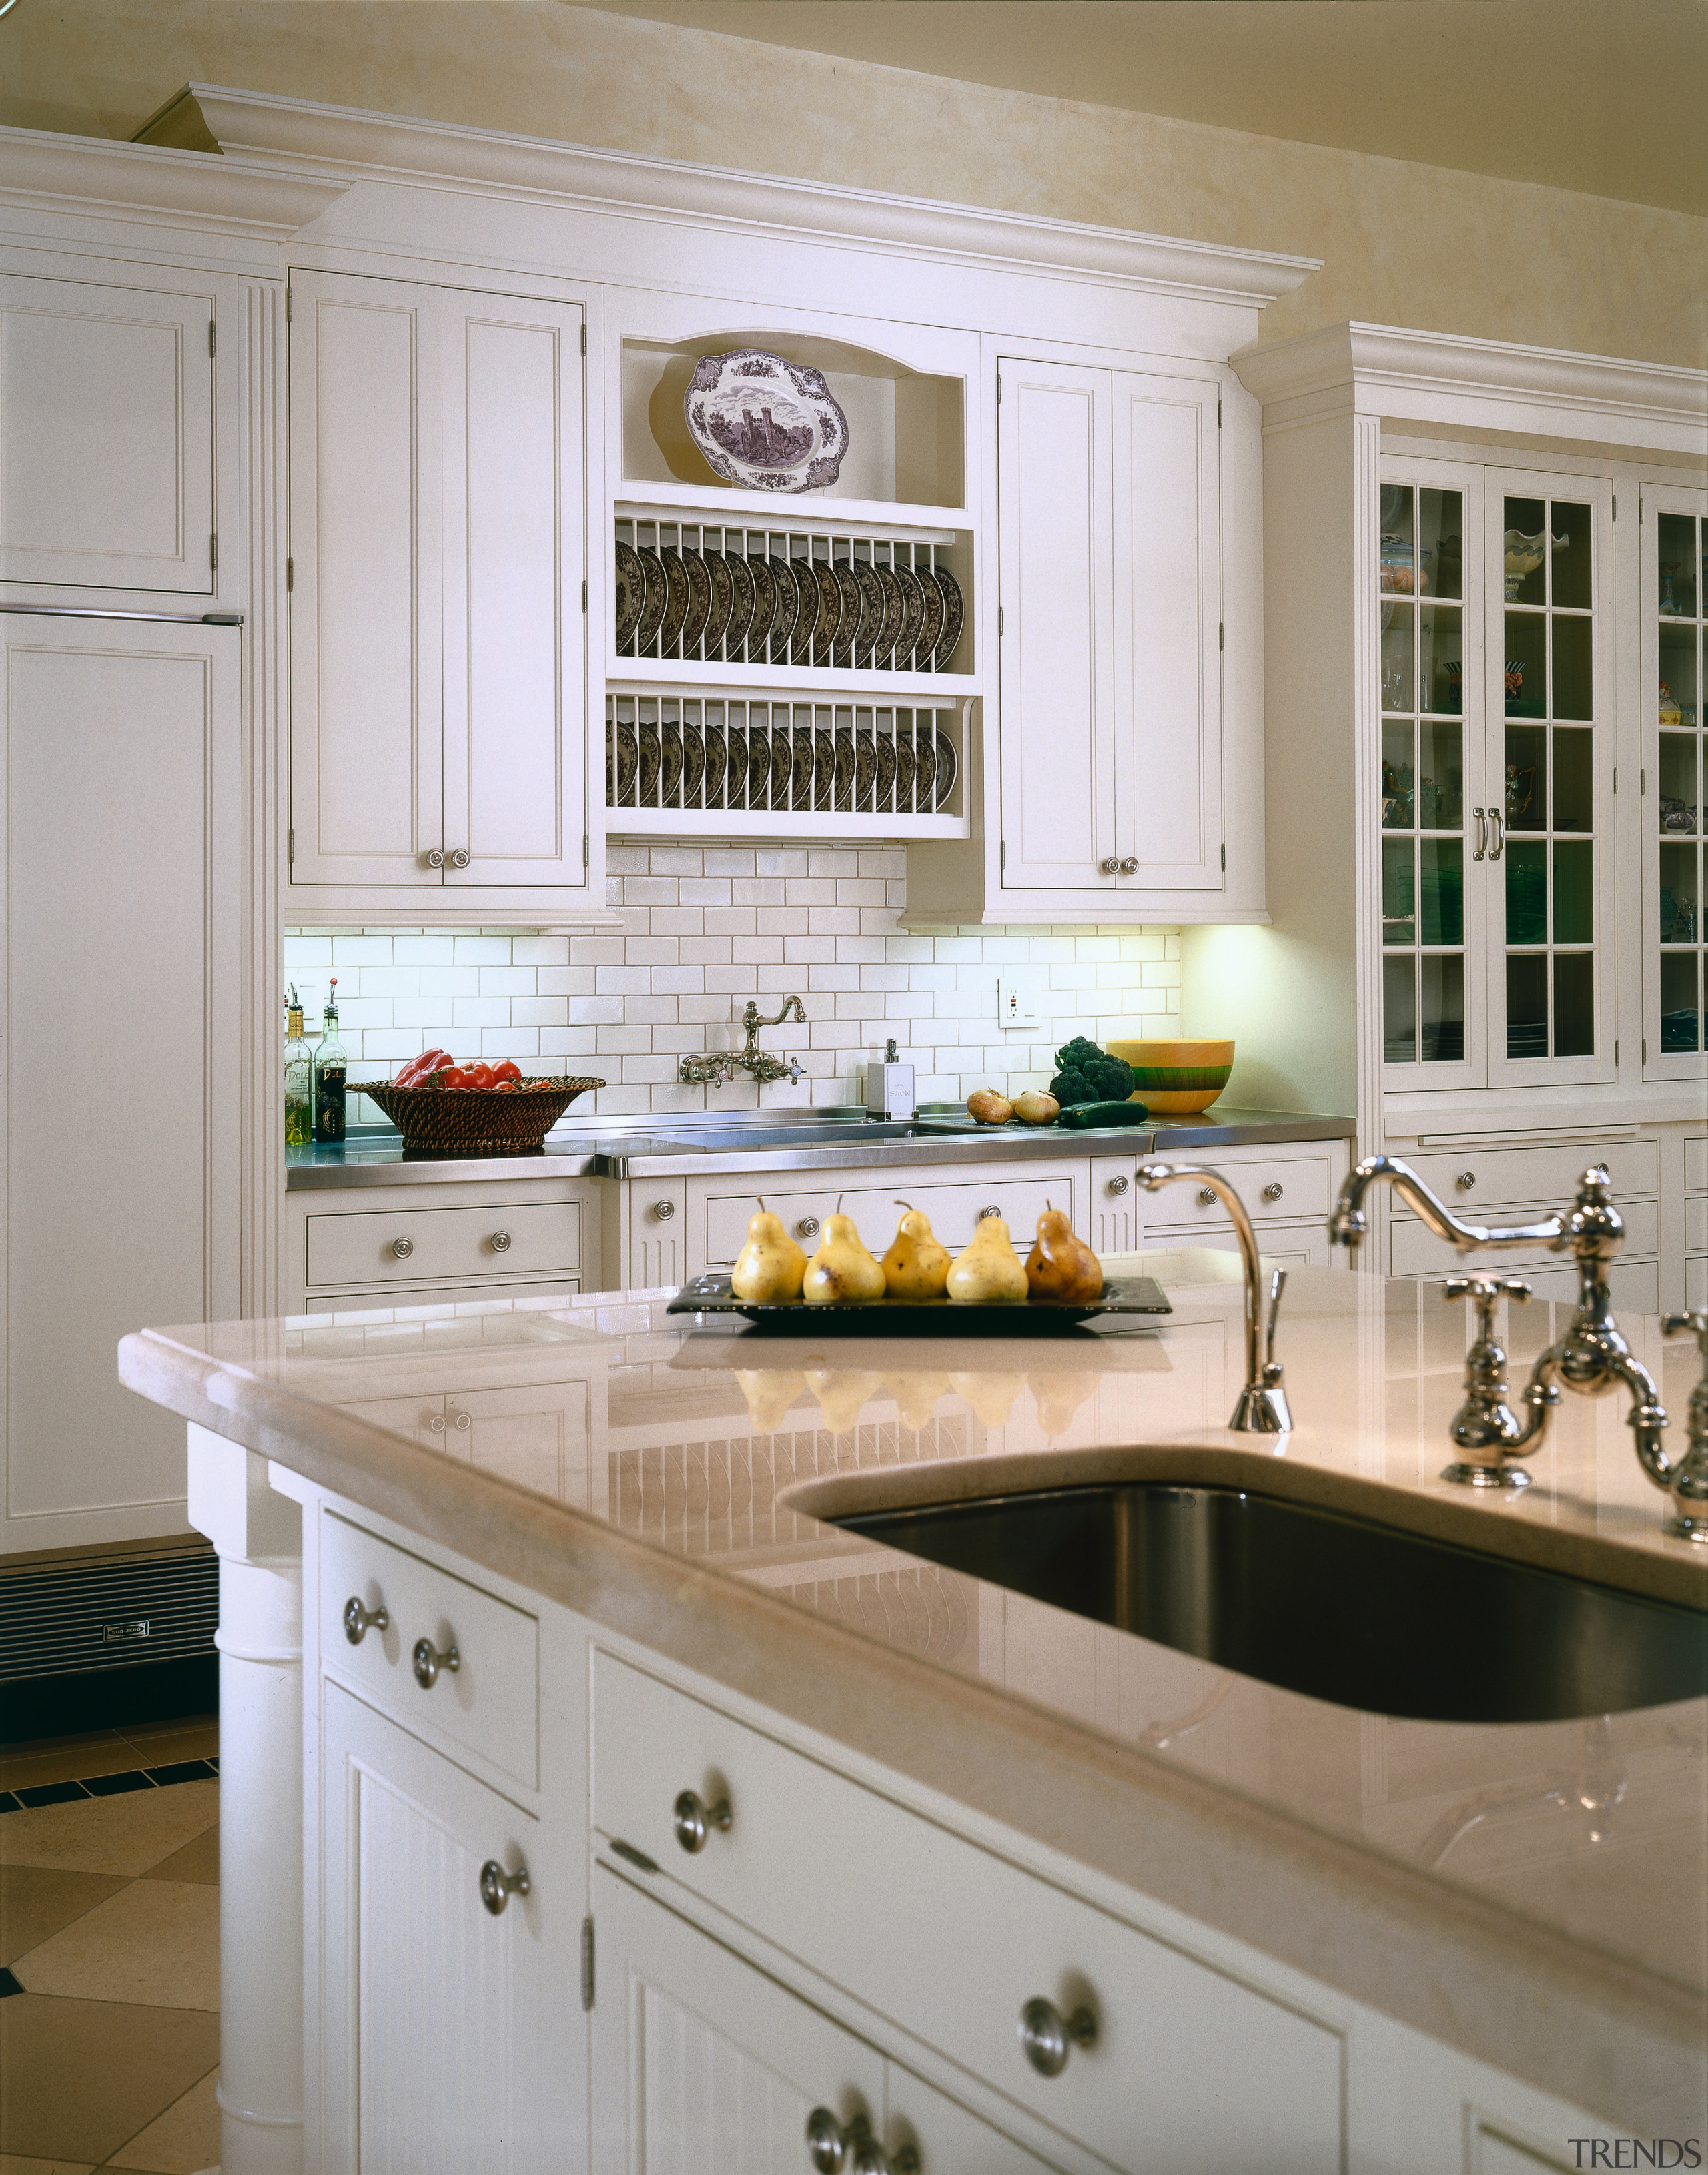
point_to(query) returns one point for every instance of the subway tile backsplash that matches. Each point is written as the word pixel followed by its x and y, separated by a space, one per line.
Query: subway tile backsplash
pixel 705 928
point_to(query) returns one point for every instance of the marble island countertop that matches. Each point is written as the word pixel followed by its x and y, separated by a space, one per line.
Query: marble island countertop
pixel 1535 1893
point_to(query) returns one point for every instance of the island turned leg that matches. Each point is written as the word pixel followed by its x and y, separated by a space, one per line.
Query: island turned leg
pixel 258 1535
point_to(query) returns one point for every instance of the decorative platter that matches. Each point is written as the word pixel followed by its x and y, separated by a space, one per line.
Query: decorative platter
pixel 764 424
pixel 953 610
pixel 632 593
pixel 896 1317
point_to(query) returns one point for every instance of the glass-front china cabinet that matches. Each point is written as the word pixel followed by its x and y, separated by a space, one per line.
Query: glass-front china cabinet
pixel 1674 565
pixel 1496 779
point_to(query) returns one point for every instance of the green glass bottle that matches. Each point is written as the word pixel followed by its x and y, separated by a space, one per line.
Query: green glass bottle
pixel 299 1077
pixel 331 1065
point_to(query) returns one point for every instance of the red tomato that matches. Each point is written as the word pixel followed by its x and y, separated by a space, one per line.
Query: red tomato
pixel 479 1074
pixel 504 1071
pixel 453 1076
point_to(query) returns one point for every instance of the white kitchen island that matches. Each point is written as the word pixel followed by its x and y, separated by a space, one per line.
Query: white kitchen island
pixel 1304 1936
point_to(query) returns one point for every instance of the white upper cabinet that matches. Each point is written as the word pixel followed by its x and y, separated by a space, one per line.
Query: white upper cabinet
pixel 1109 557
pixel 106 455
pixel 438 693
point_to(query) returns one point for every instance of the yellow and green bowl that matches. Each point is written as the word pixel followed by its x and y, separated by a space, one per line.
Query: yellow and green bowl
pixel 1173 1078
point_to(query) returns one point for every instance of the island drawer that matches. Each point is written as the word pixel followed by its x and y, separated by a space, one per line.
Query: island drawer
pixel 1414 1251
pixel 1550 1175
pixel 953 1208
pixel 390 1246
pixel 488 1705
pixel 951 1942
pixel 1277 1189
pixel 1696 1166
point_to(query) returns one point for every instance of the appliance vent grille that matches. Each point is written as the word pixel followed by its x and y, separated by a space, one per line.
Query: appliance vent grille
pixel 63 1620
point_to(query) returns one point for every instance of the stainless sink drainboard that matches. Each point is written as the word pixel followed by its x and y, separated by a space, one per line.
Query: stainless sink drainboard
pixel 1340 1608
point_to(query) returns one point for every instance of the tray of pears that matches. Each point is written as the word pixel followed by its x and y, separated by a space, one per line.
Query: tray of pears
pixel 918 1284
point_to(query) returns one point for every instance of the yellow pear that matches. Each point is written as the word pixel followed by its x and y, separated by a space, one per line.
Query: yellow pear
pixel 1058 1397
pixel 916 1397
pixel 770 1267
pixel 1061 1269
pixel 989 1272
pixel 842 1395
pixel 842 1270
pixel 917 1265
pixel 769 1391
pixel 991 1397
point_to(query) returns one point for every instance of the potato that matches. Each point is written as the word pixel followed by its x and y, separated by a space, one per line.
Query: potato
pixel 1035 1108
pixel 989 1107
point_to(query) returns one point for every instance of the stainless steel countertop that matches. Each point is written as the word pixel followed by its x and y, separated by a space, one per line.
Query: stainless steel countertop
pixel 799 1140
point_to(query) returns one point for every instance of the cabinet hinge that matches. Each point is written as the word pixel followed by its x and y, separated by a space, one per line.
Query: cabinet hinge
pixel 213 338
pixel 626 1850
pixel 586 1963
pixel 287 303
pixel 1616 1050
pixel 214 553
pixel 1642 784
pixel 999 622
pixel 1639 513
pixel 586 859
pixel 1003 853
pixel 1645 1050
pixel 1224 861
pixel 1616 778
pixel 1218 415
pixel 1221 636
pixel 999 388
pixel 291 573
pixel 583 350
pixel 583 596
pixel 290 846
pixel 1616 506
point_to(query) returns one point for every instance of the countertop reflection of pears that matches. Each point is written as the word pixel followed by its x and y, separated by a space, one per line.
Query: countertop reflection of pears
pixel 842 1269
pixel 917 1265
pixel 988 1272
pixel 842 1394
pixel 991 1397
pixel 1061 1267
pixel 1058 1397
pixel 770 1391
pixel 770 1267
pixel 916 1397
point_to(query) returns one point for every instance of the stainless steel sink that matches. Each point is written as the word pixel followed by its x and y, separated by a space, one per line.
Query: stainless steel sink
pixel 809 1136
pixel 1339 1608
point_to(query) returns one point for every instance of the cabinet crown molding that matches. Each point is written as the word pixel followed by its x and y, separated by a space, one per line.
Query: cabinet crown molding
pixel 1405 375
pixel 182 187
pixel 382 146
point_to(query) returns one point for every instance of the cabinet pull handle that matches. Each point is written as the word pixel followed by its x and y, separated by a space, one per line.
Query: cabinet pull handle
pixel 993 1210
pixel 1130 864
pixel 427 1661
pixel 459 859
pixel 1120 1185
pixel 500 1242
pixel 1109 866
pixel 1466 1180
pixel 1272 1190
pixel 1206 1197
pixel 1049 2038
pixel 497 1886
pixel 693 1819
pixel 358 1619
pixel 835 2150
pixel 664 1210
pixel 1482 816
pixel 807 1228
pixel 433 858
pixel 403 1248
pixel 1498 823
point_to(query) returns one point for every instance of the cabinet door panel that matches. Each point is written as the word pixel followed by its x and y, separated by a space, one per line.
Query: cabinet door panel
pixel 107 410
pixel 1059 778
pixel 430 2000
pixel 1166 587
pixel 366 526
pixel 515 792
pixel 703 2066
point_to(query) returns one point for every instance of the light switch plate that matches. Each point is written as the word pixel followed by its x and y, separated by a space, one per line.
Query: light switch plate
pixel 1016 1003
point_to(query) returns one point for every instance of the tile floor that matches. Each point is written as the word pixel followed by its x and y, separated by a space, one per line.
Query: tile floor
pixel 109 1951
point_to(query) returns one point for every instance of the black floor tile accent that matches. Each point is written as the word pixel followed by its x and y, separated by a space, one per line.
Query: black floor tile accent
pixel 9 1984
pixel 183 1771
pixel 52 1793
pixel 115 1785
pixel 8 1802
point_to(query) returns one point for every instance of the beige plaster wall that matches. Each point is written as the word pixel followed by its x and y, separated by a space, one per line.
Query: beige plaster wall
pixel 1404 244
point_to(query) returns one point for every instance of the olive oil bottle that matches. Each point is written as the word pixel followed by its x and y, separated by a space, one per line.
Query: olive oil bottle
pixel 331 1065
pixel 299 1076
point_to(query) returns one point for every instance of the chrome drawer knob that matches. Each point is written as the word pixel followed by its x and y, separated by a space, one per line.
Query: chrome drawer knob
pixel 1049 2038
pixel 500 1242
pixel 693 1820
pixel 1109 866
pixel 1206 1197
pixel 427 1660
pixel 807 1228
pixel 1130 864
pixel 403 1248
pixel 984 1214
pixel 1120 1185
pixel 459 859
pixel 1272 1190
pixel 358 1621
pixel 433 858
pixel 436 1422
pixel 1466 1180
pixel 664 1210
pixel 835 2148
pixel 463 1422
pixel 497 1886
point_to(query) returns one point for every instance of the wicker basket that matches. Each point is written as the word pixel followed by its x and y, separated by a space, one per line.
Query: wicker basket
pixel 476 1121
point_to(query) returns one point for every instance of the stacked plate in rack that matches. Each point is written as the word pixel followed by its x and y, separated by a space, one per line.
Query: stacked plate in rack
pixel 693 754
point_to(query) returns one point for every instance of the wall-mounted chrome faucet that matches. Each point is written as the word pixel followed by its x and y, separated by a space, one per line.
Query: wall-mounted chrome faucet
pixel 722 1066
pixel 1591 1358
pixel 1262 1407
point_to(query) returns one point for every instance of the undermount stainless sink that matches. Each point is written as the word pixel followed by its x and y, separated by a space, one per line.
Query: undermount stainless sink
pixel 1338 1607
pixel 812 1135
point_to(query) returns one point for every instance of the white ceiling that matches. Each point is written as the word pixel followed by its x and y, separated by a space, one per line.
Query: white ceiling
pixel 1609 96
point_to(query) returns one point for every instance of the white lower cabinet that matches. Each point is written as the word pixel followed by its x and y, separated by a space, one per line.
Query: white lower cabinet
pixel 434 2033
pixel 704 2065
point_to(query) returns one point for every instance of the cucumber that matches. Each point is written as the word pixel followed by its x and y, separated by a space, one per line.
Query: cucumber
pixel 1081 1116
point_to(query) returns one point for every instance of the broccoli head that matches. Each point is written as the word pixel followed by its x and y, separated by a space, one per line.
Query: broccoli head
pixel 1090 1075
